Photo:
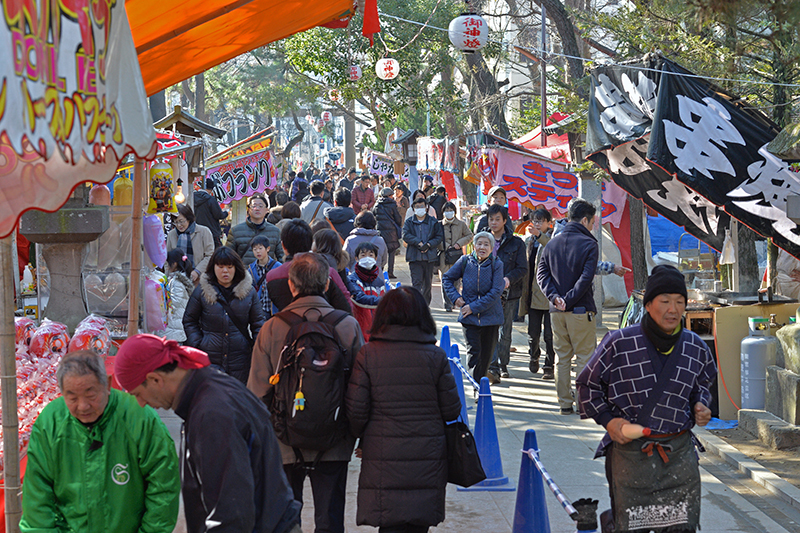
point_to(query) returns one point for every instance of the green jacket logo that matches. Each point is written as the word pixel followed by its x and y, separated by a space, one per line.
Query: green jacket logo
pixel 119 474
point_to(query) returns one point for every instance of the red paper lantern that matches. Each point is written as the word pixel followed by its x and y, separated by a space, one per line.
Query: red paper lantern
pixel 468 33
pixel 387 68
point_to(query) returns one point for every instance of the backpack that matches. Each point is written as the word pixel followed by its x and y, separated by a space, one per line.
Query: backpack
pixel 309 384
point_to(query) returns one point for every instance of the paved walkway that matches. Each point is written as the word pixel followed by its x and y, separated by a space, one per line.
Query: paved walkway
pixel 567 444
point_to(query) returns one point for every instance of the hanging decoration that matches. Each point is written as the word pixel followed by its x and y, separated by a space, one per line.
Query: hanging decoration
pixel 309 119
pixel 161 190
pixel 354 73
pixel 387 68
pixel 327 116
pixel 333 95
pixel 468 32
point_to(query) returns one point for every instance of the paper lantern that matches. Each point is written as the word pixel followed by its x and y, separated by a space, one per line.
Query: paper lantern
pixel 354 73
pixel 333 95
pixel 387 68
pixel 161 190
pixel 468 32
pixel 327 116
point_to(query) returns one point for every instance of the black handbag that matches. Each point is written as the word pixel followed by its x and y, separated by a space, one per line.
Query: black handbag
pixel 451 255
pixel 463 462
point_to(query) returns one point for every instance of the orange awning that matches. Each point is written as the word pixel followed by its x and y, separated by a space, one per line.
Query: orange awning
pixel 176 40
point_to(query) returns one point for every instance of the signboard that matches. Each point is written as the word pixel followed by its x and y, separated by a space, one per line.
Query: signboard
pixel 244 176
pixel 72 102
pixel 382 166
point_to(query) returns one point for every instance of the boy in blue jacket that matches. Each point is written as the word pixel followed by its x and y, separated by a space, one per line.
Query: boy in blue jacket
pixel 258 271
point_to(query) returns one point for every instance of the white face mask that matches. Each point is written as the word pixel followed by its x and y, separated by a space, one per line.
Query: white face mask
pixel 449 215
pixel 419 211
pixel 367 262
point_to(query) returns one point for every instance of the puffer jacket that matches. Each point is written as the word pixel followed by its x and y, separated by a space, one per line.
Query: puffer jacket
pixel 455 231
pixel 428 230
pixel 482 288
pixel 515 262
pixel 180 288
pixel 400 395
pixel 359 235
pixel 209 328
pixel 390 223
pixel 532 296
pixel 342 219
pixel 241 234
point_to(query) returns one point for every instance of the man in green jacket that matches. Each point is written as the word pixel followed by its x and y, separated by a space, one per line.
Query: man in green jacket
pixel 97 461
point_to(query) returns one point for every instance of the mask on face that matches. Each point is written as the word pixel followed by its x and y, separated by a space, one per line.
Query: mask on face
pixel 419 211
pixel 367 262
pixel 449 215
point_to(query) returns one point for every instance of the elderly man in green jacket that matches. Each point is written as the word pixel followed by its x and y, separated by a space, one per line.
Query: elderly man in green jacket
pixel 97 461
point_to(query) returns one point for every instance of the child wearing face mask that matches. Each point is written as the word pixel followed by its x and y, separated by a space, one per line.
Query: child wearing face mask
pixel 366 285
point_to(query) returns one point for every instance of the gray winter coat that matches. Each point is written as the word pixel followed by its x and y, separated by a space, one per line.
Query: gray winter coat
pixel 241 234
pixel 400 395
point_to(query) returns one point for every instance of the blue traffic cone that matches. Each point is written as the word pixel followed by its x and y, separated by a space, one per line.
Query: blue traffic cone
pixel 444 340
pixel 530 513
pixel 397 286
pixel 488 445
pixel 459 381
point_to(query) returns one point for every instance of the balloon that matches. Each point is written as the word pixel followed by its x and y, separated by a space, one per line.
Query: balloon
pixel 155 243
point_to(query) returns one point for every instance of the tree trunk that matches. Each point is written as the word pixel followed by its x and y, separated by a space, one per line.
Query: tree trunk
pixel 294 140
pixel 749 280
pixel 200 97
pixel 638 262
pixel 557 13
pixel 492 100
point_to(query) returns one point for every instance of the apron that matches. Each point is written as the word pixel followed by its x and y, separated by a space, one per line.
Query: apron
pixel 655 481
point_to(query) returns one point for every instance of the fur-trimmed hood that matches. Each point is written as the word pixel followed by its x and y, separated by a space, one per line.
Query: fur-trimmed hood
pixel 210 293
pixel 184 280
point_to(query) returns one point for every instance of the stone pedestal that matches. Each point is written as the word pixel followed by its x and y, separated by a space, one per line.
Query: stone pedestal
pixel 64 235
pixel 783 394
pixel 591 191
pixel 789 335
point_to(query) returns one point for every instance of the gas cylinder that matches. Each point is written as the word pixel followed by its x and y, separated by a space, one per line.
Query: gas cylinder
pixel 759 350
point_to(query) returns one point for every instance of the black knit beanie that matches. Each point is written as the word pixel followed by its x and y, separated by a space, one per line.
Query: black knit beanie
pixel 664 279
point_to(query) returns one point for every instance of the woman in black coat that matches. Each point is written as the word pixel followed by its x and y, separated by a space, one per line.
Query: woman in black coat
pixel 399 397
pixel 390 224
pixel 210 327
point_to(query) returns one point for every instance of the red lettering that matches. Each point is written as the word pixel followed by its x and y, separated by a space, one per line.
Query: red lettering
pixel 535 171
pixel 540 194
pixel 513 184
pixel 565 180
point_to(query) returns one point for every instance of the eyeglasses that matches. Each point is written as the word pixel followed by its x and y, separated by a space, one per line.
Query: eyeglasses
pixel 181 221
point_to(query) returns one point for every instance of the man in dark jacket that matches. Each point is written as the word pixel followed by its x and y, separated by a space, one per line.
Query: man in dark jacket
pixel 389 224
pixel 422 234
pixel 565 274
pixel 256 224
pixel 497 196
pixel 233 479
pixel 297 239
pixel 207 211
pixel 342 216
pixel 309 276
pixel 437 201
pixel 349 181
pixel 509 249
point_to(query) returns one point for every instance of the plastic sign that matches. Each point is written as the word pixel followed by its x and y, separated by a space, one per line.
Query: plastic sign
pixel 354 73
pixel 387 68
pixel 468 33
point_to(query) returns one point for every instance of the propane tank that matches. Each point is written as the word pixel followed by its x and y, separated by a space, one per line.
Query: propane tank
pixel 759 350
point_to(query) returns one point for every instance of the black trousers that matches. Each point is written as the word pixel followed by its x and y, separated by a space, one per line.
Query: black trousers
pixel 480 341
pixel 537 319
pixel 405 528
pixel 328 484
pixel 390 268
pixel 422 277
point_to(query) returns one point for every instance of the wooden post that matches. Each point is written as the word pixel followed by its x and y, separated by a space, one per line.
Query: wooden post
pixel 8 384
pixel 139 179
pixel 638 260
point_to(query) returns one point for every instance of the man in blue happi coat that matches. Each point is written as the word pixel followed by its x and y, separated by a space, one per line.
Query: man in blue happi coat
pixel 656 374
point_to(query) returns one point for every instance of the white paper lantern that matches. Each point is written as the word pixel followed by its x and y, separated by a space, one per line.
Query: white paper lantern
pixel 310 119
pixel 354 73
pixel 327 116
pixel 320 124
pixel 468 33
pixel 387 68
pixel 333 95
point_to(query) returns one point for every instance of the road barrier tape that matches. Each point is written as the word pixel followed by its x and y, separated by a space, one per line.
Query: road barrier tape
pixel 565 503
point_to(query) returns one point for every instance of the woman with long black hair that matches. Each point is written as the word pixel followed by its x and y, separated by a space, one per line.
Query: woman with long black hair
pixel 224 315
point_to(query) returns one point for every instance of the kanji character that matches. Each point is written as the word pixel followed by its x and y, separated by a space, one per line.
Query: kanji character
pixel 678 197
pixel 620 117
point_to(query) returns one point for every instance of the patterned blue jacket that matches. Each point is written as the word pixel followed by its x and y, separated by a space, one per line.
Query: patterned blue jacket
pixel 482 286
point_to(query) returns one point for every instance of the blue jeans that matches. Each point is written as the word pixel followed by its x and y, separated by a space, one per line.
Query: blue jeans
pixel 502 352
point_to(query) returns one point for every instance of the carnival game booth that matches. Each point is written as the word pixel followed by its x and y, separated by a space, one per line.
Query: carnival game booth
pixel 532 180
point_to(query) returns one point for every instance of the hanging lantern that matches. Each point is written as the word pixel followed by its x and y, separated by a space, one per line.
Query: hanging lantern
pixel 309 119
pixel 387 68
pixel 327 116
pixel 354 73
pixel 468 32
pixel 333 95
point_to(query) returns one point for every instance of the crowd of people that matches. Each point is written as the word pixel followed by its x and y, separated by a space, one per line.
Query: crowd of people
pixel 287 351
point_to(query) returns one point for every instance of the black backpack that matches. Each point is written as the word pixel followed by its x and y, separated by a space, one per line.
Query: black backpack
pixel 308 399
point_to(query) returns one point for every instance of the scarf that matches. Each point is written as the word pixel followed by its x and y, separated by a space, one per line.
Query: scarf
pixel 367 276
pixel 185 242
pixel 664 342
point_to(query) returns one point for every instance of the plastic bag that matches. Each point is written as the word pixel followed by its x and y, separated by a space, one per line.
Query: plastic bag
pixel 49 338
pixel 91 334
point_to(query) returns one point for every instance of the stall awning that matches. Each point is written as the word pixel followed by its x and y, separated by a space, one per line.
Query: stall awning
pixel 176 40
